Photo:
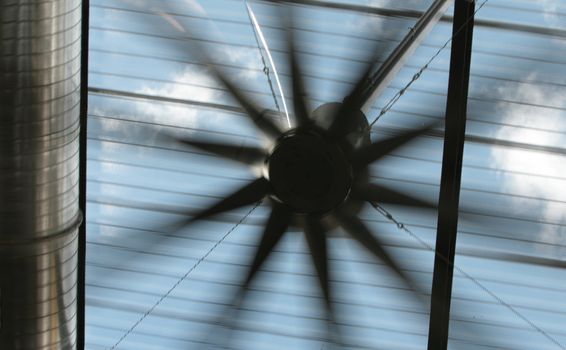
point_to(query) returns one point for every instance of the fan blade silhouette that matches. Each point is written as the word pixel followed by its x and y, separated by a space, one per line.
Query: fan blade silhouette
pixel 374 152
pixel 247 195
pixel 246 155
pixel 300 104
pixel 275 228
pixel 258 117
pixel 356 228
pixel 351 104
pixel 295 197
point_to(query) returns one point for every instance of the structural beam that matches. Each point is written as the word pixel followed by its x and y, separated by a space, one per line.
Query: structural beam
pixel 39 211
pixel 387 71
pixel 451 174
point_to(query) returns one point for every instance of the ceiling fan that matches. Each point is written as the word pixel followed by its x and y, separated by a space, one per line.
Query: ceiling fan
pixel 333 138
pixel 314 175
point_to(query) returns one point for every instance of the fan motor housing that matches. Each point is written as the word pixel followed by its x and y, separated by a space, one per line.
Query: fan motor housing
pixel 309 171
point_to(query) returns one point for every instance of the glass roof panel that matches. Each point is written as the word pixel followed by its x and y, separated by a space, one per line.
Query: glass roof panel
pixel 147 85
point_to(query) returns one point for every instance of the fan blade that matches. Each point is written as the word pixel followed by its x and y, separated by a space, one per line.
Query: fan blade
pixel 355 99
pixel 300 104
pixel 276 226
pixel 249 194
pixel 243 154
pixel 315 235
pixel 377 150
pixel 356 228
pixel 258 117
pixel 299 95
pixel 274 229
pixel 381 194
pixel 352 103
pixel 253 111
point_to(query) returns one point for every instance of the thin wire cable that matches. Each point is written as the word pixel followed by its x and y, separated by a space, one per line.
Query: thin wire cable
pixel 417 75
pixel 403 227
pixel 258 33
pixel 164 296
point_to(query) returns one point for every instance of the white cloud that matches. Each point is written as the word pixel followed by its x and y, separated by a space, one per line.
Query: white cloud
pixel 551 17
pixel 550 9
pixel 531 117
pixel 195 83
pixel 193 5
pixel 365 23
pixel 186 85
pixel 248 60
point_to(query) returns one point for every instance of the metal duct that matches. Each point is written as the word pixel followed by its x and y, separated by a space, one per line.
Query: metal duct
pixel 39 159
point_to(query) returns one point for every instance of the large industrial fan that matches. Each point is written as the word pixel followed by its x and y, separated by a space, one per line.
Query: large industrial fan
pixel 314 175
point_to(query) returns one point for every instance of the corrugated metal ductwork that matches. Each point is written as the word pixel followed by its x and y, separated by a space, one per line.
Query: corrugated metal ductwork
pixel 39 160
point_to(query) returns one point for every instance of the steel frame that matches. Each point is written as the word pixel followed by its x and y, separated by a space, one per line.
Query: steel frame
pixel 454 137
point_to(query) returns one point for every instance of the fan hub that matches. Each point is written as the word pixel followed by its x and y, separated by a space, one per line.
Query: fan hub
pixel 309 173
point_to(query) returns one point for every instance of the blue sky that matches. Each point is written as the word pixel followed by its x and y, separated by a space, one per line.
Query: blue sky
pixel 517 194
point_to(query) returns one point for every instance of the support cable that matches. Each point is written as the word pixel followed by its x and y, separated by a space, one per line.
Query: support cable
pixel 401 226
pixel 199 261
pixel 417 75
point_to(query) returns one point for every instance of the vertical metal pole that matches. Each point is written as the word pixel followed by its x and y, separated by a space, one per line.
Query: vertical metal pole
pixel 39 173
pixel 81 278
pixel 451 174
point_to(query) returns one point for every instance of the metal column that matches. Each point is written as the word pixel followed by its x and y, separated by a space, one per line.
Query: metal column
pixel 451 174
pixel 40 67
